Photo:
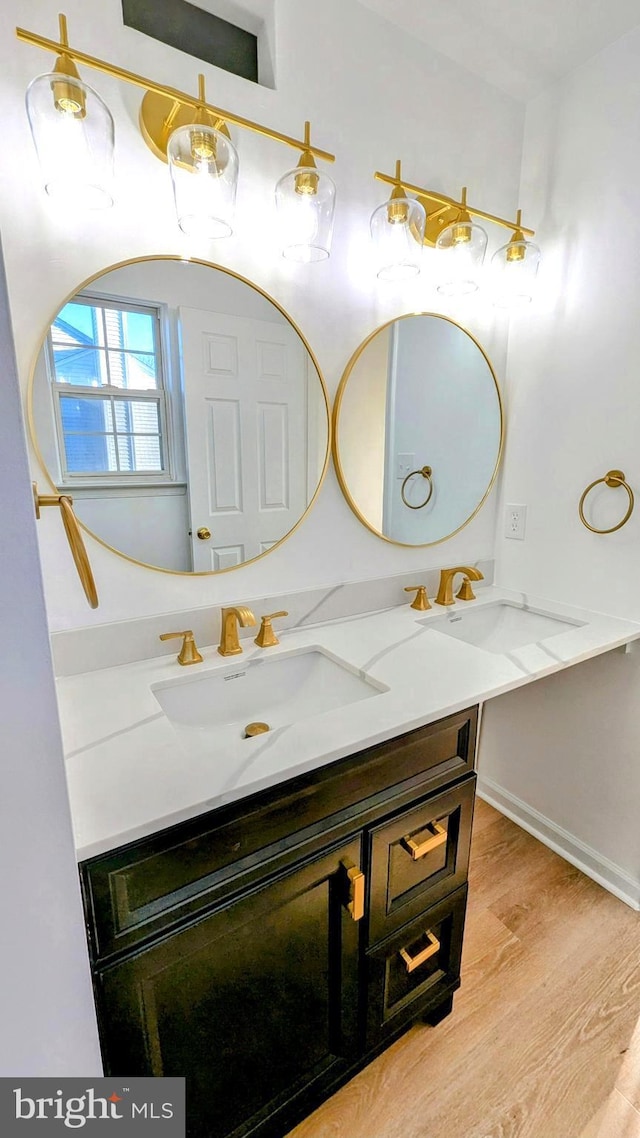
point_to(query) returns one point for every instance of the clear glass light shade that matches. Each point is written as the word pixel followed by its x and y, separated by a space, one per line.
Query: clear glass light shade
pixel 73 135
pixel 204 172
pixel 514 268
pixel 305 203
pixel 397 231
pixel 461 249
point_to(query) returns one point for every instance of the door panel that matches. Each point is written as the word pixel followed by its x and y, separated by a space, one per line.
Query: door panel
pixel 246 427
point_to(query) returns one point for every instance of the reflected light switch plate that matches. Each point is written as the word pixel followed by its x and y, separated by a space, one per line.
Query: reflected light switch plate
pixel 405 463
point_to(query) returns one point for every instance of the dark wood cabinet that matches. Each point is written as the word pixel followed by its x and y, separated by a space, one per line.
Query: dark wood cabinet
pixel 269 949
pixel 256 1002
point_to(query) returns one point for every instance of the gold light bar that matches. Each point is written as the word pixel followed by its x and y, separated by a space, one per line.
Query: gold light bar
pixel 61 47
pixel 442 210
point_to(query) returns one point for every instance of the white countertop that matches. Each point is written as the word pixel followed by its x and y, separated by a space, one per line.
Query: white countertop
pixel 131 774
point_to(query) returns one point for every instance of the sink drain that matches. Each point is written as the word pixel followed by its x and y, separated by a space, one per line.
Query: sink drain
pixel 255 729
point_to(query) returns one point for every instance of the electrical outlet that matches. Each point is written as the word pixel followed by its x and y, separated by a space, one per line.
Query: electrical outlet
pixel 515 520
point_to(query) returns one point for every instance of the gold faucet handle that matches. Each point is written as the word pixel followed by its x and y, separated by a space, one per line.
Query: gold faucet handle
pixel 465 592
pixel 266 637
pixel 188 654
pixel 421 601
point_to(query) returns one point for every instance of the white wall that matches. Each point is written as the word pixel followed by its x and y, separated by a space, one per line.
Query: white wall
pixel 574 413
pixel 47 1025
pixel 372 95
pixel 574 359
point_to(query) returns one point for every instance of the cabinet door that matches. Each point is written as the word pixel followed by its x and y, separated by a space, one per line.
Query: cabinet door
pixel 256 1004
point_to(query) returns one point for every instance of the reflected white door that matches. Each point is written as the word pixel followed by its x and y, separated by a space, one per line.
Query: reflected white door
pixel 245 415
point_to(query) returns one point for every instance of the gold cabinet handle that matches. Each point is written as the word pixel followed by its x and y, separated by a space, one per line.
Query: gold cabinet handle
pixel 413 962
pixel 266 637
pixel 188 654
pixel 203 533
pixel 419 849
pixel 74 537
pixel 355 899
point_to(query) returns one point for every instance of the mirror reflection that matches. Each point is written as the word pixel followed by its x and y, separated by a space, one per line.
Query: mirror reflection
pixel 183 412
pixel 418 429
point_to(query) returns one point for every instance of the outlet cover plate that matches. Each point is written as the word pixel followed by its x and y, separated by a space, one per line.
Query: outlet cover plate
pixel 515 521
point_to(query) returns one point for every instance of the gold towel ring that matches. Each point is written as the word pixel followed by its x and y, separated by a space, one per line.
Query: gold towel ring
pixel 612 478
pixel 426 472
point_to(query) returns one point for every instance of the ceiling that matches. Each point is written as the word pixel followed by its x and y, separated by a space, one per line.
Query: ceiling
pixel 521 46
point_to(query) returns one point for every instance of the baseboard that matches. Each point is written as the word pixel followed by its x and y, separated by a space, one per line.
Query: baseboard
pixel 584 857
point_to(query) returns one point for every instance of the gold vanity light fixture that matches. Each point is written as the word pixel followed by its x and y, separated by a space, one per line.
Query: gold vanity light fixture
pixel 397 231
pixel 514 268
pixel 191 135
pixel 204 172
pixel 305 205
pixel 460 243
pixel 463 245
pixel 73 134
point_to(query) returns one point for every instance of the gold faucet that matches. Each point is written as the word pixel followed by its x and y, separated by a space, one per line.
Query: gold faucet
pixel 230 618
pixel 445 591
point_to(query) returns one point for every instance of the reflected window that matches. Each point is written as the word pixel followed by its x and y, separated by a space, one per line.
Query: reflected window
pixel 107 378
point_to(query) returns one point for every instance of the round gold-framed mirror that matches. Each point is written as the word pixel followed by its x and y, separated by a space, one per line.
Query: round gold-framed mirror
pixel 184 412
pixel 418 429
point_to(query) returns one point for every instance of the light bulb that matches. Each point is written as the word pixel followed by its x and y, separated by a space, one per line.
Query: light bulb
pixel 73 134
pixel 461 248
pixel 204 172
pixel 514 268
pixel 300 221
pixel 305 201
pixel 397 231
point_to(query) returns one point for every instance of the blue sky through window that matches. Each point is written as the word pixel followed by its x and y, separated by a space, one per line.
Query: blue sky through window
pixel 104 348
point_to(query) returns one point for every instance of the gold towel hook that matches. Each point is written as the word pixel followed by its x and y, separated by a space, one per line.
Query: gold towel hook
pixel 74 537
pixel 427 473
pixel 613 479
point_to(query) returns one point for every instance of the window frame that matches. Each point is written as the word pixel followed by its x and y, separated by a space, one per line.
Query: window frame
pixel 161 396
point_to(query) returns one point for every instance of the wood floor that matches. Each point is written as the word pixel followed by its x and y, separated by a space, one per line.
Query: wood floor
pixel 549 1001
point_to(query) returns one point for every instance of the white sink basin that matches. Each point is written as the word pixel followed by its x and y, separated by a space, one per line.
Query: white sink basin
pixel 501 627
pixel 276 690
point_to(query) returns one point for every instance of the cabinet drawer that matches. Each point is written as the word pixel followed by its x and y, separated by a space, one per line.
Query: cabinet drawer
pixel 139 890
pixel 416 970
pixel 418 857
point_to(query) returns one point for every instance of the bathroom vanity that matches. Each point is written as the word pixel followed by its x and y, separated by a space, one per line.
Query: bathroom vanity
pixel 267 914
pixel 268 949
